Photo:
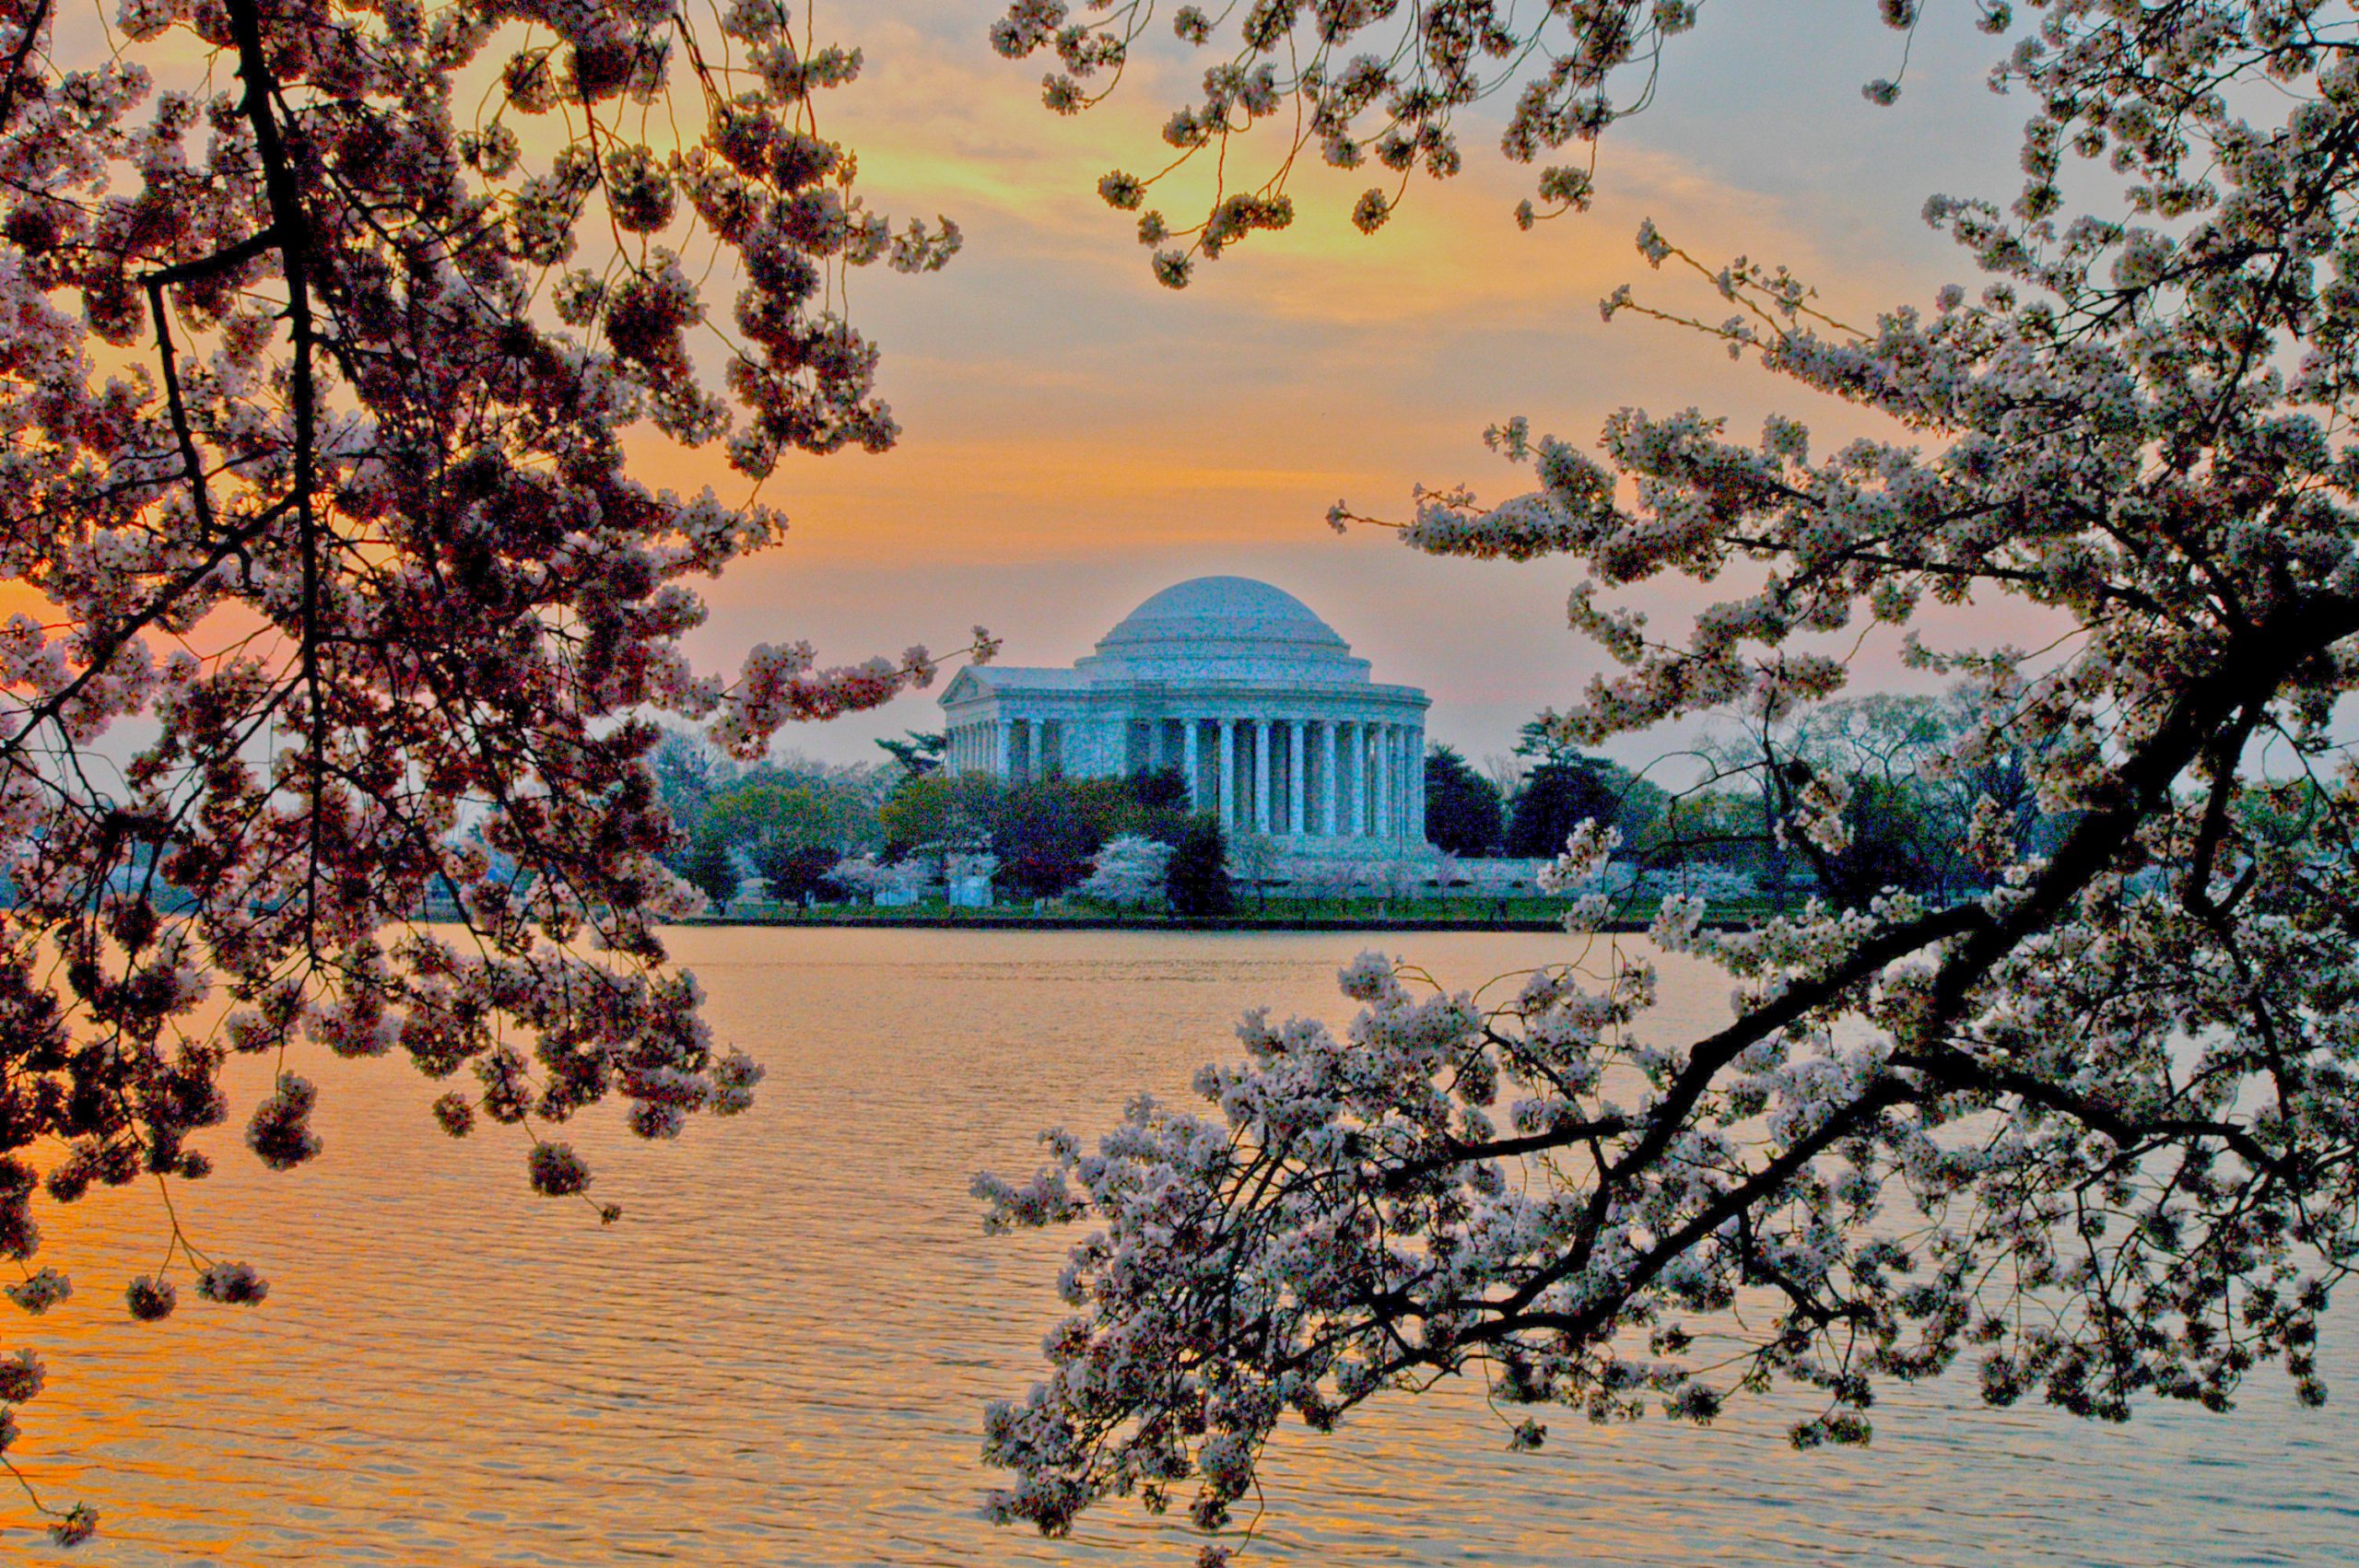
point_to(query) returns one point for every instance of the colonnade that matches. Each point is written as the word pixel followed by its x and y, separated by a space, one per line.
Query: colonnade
pixel 1009 748
pixel 1300 777
pixel 1292 778
pixel 1279 776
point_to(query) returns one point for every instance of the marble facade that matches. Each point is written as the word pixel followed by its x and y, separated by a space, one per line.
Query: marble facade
pixel 1273 726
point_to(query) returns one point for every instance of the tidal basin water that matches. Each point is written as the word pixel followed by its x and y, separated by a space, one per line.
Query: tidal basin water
pixel 781 1354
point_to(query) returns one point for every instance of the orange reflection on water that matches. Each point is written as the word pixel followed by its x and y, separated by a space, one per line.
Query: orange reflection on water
pixel 781 1355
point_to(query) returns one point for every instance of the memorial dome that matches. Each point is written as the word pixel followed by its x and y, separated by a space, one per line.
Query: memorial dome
pixel 1269 721
pixel 1229 620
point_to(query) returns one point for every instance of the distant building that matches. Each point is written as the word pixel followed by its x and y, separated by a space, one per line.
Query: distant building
pixel 1259 705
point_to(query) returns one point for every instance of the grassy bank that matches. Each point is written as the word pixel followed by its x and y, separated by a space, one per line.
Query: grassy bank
pixel 1275 914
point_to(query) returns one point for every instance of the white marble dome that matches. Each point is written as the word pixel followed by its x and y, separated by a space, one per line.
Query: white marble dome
pixel 1231 621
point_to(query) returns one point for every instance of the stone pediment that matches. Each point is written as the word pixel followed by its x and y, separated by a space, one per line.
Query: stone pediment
pixel 963 687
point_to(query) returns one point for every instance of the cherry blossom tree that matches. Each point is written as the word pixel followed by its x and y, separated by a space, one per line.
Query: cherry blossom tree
pixel 969 872
pixel 2093 1133
pixel 323 333
pixel 1129 871
pixel 863 877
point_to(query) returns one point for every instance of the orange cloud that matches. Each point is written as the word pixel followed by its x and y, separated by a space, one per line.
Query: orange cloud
pixel 1057 403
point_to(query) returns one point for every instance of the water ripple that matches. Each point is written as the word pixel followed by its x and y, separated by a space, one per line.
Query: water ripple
pixel 780 1356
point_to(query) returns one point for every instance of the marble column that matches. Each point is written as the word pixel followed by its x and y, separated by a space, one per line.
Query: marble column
pixel 1359 782
pixel 1188 761
pixel 1329 823
pixel 1408 781
pixel 1296 748
pixel 1395 760
pixel 1228 774
pixel 1408 785
pixel 1032 751
pixel 1362 781
pixel 1383 782
pixel 1400 781
pixel 1397 781
pixel 1003 746
pixel 1260 775
pixel 1417 786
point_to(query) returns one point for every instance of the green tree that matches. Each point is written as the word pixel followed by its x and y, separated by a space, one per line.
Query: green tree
pixel 688 773
pixel 791 872
pixel 1047 833
pixel 1463 812
pixel 935 811
pixel 1903 828
pixel 1892 840
pixel 711 866
pixel 1159 801
pixel 1197 883
pixel 792 830
pixel 1713 826
pixel 1542 741
pixel 1906 822
pixel 1568 790
pixel 919 752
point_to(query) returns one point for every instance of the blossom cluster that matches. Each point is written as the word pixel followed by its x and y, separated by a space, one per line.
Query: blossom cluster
pixel 1363 85
pixel 2089 1127
pixel 1128 870
pixel 321 391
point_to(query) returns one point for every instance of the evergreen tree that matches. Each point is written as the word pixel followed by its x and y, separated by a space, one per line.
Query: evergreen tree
pixel 1463 813
pixel 1197 881
pixel 1161 793
pixel 919 752
pixel 1558 797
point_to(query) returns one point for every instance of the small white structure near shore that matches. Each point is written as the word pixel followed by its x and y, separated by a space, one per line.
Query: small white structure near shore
pixel 1275 728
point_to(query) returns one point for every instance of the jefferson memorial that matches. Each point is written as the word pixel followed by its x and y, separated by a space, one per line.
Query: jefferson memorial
pixel 1260 707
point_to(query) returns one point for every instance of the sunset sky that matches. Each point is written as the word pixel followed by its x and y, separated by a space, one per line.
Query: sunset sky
pixel 1077 437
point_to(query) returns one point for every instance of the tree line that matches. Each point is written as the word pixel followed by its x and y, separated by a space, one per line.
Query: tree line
pixel 797 831
pixel 1905 820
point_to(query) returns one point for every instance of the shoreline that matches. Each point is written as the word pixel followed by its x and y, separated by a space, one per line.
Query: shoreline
pixel 1069 922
